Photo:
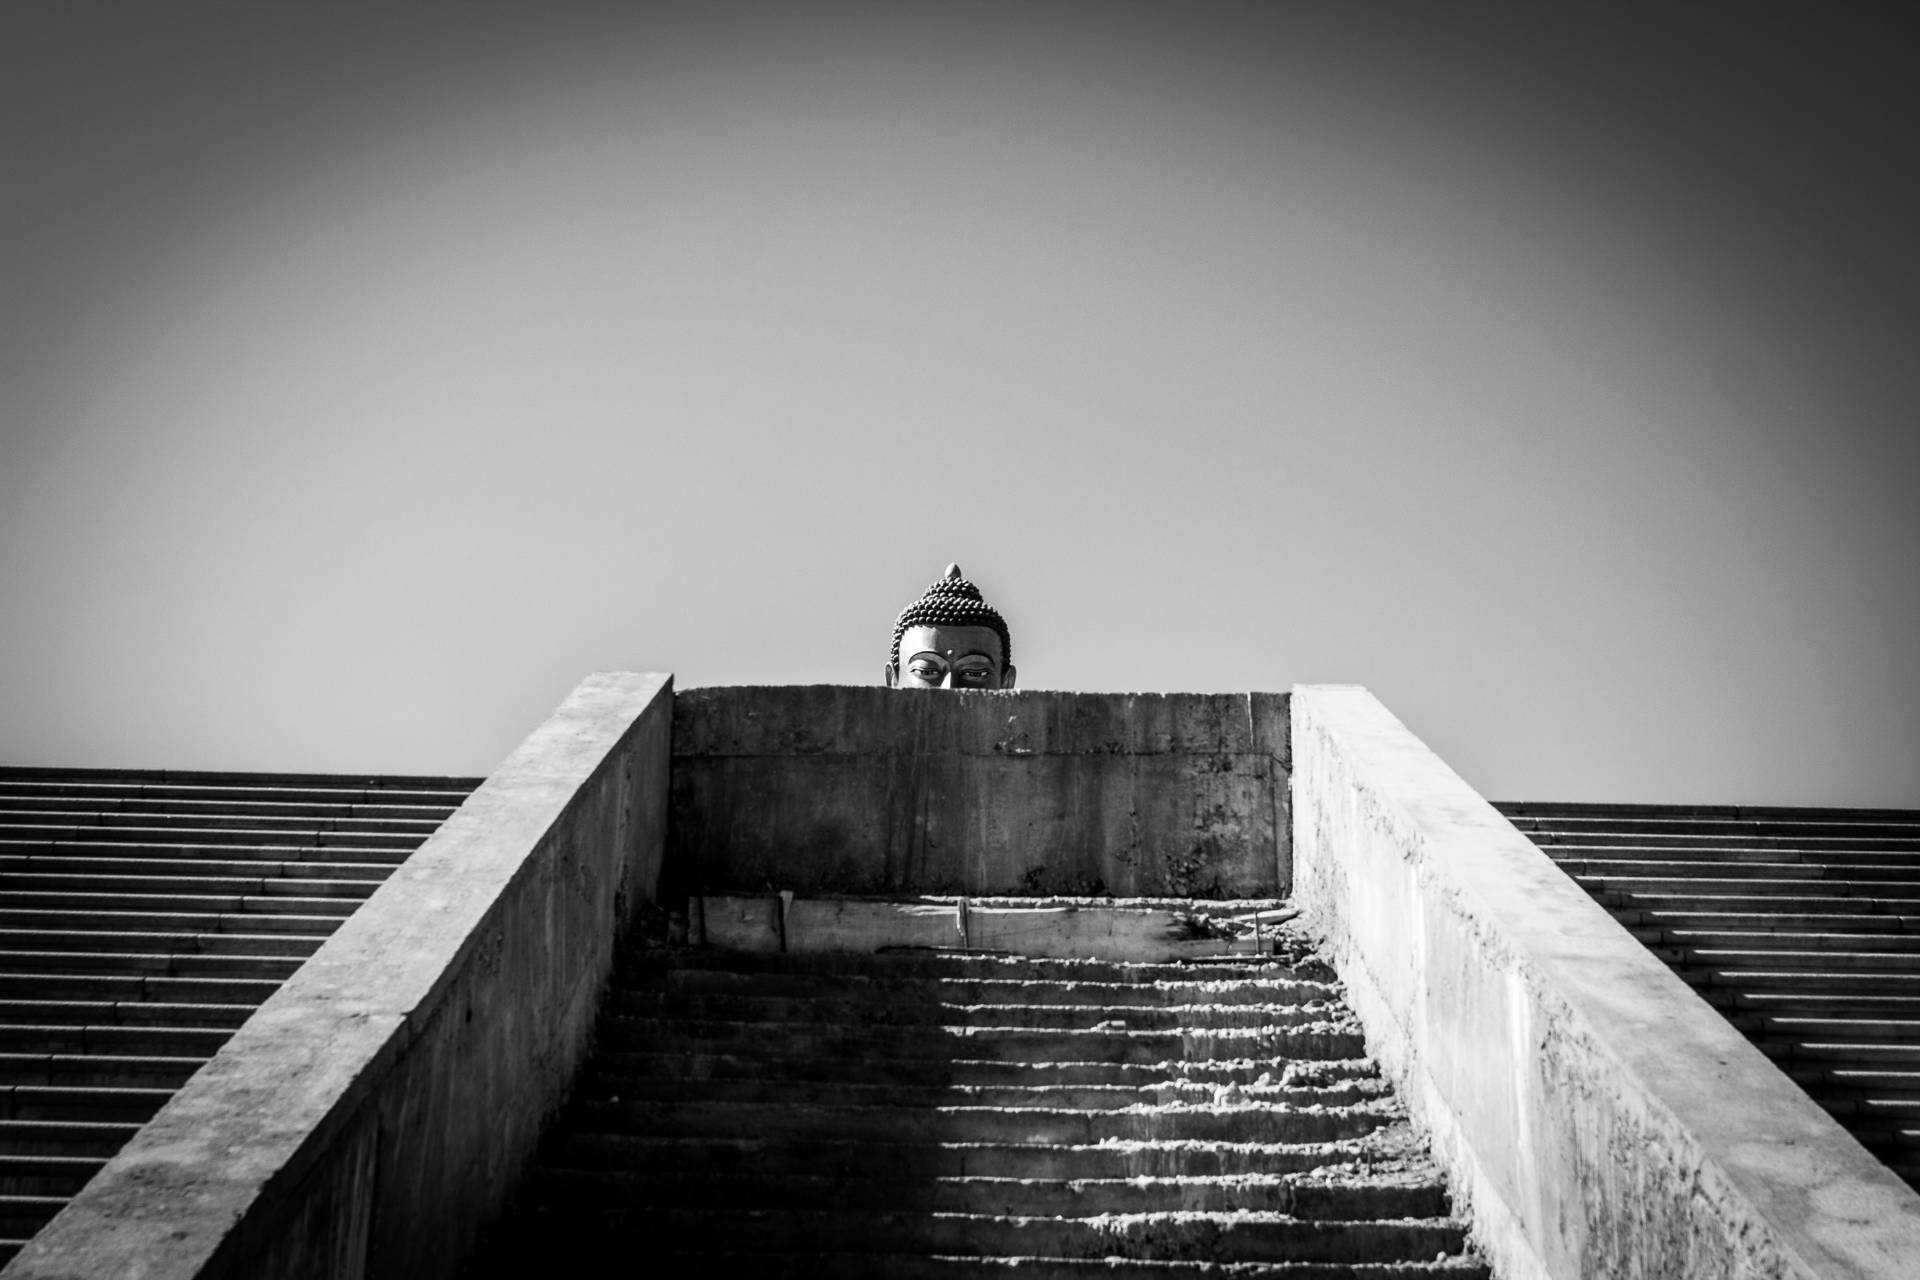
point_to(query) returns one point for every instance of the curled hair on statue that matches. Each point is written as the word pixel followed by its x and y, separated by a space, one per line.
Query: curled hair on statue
pixel 951 601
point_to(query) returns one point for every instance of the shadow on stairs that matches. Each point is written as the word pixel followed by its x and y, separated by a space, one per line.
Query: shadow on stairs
pixel 920 1111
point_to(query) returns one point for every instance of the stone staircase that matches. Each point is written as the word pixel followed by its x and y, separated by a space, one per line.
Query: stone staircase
pixel 1802 926
pixel 915 1111
pixel 143 917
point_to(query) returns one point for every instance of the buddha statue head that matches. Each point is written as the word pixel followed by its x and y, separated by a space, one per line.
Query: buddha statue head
pixel 950 638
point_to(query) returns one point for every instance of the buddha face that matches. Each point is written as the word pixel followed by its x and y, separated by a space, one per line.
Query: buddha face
pixel 950 658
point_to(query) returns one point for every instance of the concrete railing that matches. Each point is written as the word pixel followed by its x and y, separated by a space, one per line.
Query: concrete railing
pixel 1596 1116
pixel 833 789
pixel 376 1110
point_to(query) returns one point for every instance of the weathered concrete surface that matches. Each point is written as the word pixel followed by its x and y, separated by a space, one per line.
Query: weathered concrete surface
pixel 847 924
pixel 920 1115
pixel 1137 931
pixel 743 924
pixel 836 789
pixel 1599 1118
pixel 373 1113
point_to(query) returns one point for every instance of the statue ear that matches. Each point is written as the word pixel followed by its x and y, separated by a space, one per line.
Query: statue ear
pixel 892 676
pixel 1006 678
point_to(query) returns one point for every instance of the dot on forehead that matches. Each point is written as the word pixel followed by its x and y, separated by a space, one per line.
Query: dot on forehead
pixel 951 642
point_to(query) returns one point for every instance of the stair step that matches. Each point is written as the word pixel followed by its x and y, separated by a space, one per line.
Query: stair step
pixel 24 780
pixel 42 814
pixel 192 862
pixel 1240 1236
pixel 1800 887
pixel 167 923
pixel 118 1040
pixel 1789 981
pixel 115 987
pixel 185 905
pixel 1756 1016
pixel 878 1009
pixel 1412 1195
pixel 958 988
pixel 1890 849
pixel 278 968
pixel 264 879
pixel 642 968
pixel 1745 823
pixel 604 1082
pixel 585 1255
pixel 1825 902
pixel 54 1102
pixel 120 830
pixel 236 944
pixel 1677 871
pixel 132 1013
pixel 22 1215
pixel 1862 1053
pixel 1783 921
pixel 40 1175
pixel 1023 1044
pixel 961 1072
pixel 103 1070
pixel 1848 1030
pixel 1391 1147
pixel 186 871
pixel 63 1137
pixel 1880 1082
pixel 1874 1112
pixel 1245 1122
pixel 228 806
pixel 1888 962
pixel 1708 941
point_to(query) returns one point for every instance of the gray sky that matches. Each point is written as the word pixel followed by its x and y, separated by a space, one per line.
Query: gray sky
pixel 368 376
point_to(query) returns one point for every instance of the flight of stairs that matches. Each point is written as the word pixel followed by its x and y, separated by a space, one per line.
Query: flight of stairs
pixel 919 1113
pixel 1802 926
pixel 143 916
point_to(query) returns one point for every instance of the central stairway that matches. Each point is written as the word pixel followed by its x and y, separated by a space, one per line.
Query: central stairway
pixel 924 1112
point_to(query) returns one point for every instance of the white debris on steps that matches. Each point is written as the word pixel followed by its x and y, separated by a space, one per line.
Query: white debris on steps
pixel 875 1089
pixel 1143 930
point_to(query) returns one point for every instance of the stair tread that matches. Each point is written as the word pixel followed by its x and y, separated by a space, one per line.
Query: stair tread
pixel 1802 926
pixel 997 1105
pixel 144 915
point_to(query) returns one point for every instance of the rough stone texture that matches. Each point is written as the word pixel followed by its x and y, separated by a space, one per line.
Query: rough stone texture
pixel 839 924
pixel 1135 930
pixel 921 1114
pixel 835 789
pixel 1600 1119
pixel 376 1109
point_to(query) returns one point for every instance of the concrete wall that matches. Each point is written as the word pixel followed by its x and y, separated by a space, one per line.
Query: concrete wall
pixel 1598 1117
pixel 375 1111
pixel 850 790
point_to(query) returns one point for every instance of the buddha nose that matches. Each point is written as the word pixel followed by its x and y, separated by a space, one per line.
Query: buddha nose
pixel 946 681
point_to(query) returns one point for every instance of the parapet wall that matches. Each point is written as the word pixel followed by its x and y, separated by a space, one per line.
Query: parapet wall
pixel 376 1110
pixel 837 789
pixel 1599 1119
